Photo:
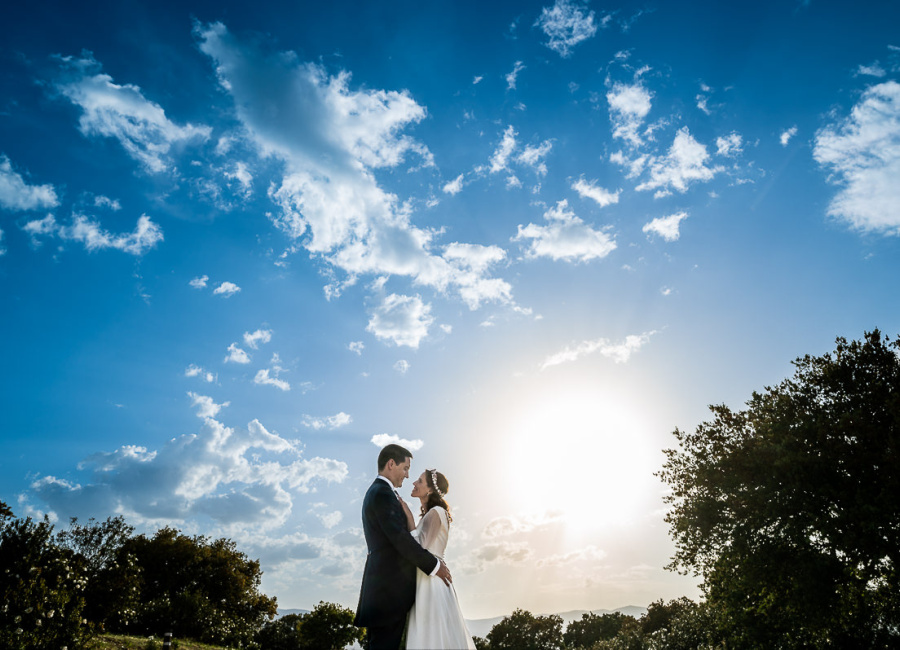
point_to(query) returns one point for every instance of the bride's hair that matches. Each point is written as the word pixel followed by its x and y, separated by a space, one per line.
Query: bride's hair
pixel 435 499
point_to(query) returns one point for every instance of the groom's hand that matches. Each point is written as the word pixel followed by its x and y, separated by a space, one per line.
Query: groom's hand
pixel 444 574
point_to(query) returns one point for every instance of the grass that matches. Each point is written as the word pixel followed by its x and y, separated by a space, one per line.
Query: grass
pixel 120 642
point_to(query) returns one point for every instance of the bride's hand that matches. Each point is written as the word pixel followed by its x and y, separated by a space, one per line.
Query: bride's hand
pixel 410 520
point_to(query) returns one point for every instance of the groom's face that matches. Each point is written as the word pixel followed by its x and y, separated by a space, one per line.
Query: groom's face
pixel 397 473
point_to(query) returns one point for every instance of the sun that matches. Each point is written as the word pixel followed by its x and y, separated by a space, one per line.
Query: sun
pixel 582 453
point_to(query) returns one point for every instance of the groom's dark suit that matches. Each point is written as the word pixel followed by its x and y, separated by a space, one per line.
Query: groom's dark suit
pixel 389 579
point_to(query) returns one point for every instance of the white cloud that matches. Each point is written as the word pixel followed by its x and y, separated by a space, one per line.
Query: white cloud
pixel 403 320
pixel 330 138
pixel 259 336
pixel 122 112
pixel 582 557
pixel 566 25
pixel 500 158
pixel 2 247
pixel 862 153
pixel 589 190
pixel 511 77
pixel 356 346
pixel 566 237
pixel 684 164
pixel 730 145
pixel 206 407
pixel 402 366
pixel 331 519
pixel 628 106
pixel 872 70
pixel 533 156
pixel 330 422
pixel 384 439
pixel 787 135
pixel 618 352
pixel 515 553
pixel 238 477
pixel 270 376
pixel 226 289
pixel 477 80
pixel 236 355
pixel 101 201
pixel 455 186
pixel 196 371
pixel 517 525
pixel 146 234
pixel 666 227
pixel 19 196
pixel 199 282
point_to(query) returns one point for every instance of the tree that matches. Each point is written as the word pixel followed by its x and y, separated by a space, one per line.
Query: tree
pixel 594 627
pixel 112 590
pixel 41 590
pixel 327 627
pixel 523 631
pixel 788 509
pixel 200 589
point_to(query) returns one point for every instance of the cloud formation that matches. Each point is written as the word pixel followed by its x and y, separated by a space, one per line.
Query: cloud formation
pixel 566 25
pixel 629 105
pixel 123 113
pixel 566 237
pixel 618 352
pixel 862 154
pixel 329 422
pixel 232 476
pixel 91 234
pixel 331 138
pixel 685 163
pixel 401 320
pixel 18 196
pixel 666 227
pixel 384 439
pixel 590 190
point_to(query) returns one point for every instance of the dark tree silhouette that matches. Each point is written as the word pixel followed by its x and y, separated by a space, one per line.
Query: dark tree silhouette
pixel 789 510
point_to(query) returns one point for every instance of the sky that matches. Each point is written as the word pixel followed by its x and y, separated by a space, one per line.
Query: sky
pixel 245 245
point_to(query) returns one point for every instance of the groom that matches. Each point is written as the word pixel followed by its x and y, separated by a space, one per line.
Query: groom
pixel 389 579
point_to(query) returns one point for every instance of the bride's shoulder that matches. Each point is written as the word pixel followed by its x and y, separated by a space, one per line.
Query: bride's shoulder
pixel 438 511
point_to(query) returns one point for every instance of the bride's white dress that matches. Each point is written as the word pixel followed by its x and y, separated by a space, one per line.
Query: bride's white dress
pixel 435 621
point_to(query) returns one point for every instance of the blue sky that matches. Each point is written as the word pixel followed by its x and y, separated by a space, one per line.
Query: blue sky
pixel 244 245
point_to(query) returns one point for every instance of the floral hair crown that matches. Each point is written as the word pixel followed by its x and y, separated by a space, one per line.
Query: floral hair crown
pixel 434 481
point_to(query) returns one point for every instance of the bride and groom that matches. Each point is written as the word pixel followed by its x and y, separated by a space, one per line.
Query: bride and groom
pixel 406 586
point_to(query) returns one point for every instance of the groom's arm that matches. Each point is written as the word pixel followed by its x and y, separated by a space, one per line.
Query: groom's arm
pixel 393 523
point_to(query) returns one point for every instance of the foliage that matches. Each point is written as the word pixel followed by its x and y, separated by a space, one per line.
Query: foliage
pixel 40 588
pixel 788 509
pixel 199 589
pixel 327 627
pixel 594 627
pixel 521 630
pixel 112 593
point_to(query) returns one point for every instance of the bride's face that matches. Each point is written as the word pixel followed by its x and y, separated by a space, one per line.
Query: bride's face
pixel 420 487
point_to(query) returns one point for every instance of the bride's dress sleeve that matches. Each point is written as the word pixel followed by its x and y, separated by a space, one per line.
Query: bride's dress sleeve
pixel 429 528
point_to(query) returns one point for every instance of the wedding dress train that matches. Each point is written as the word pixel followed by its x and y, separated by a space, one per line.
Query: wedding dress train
pixel 435 621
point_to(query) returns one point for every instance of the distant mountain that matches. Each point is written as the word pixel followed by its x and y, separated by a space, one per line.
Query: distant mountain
pixel 285 612
pixel 481 627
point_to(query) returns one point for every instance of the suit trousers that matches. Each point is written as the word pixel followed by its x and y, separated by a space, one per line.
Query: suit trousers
pixel 386 637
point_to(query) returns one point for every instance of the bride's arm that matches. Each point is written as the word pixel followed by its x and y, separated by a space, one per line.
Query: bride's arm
pixel 431 526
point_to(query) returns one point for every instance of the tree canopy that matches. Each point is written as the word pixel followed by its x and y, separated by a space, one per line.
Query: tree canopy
pixel 788 509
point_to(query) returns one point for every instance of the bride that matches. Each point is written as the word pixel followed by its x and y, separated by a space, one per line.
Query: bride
pixel 435 620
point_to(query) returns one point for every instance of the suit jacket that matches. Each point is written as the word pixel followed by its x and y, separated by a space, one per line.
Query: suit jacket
pixel 389 579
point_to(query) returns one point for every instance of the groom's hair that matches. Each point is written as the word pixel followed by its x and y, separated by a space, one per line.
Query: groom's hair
pixel 392 452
